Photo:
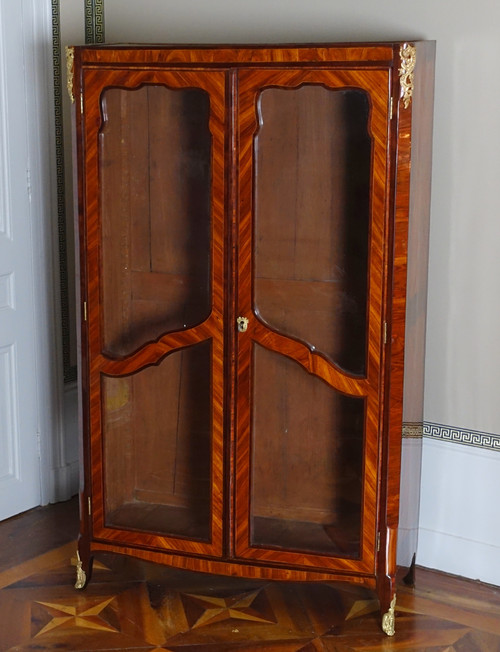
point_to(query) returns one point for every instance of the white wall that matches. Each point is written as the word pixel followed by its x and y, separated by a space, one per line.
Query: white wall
pixel 460 516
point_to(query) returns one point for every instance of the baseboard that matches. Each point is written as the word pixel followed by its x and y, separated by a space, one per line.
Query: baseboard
pixel 407 545
pixel 463 557
pixel 65 482
pixel 64 474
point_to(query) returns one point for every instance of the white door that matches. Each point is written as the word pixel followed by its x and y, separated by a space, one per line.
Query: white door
pixel 19 446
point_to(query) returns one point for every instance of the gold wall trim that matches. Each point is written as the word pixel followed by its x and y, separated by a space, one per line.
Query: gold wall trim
pixel 408 55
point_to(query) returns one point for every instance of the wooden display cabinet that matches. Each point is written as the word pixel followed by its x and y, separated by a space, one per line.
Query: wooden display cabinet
pixel 243 243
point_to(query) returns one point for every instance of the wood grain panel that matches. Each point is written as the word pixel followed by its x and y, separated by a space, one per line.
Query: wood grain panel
pixel 238 55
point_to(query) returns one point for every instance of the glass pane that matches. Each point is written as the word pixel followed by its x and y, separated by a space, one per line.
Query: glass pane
pixel 157 446
pixel 312 158
pixel 307 460
pixel 154 158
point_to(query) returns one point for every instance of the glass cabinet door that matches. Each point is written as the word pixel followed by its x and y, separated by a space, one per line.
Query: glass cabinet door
pixel 310 284
pixel 155 146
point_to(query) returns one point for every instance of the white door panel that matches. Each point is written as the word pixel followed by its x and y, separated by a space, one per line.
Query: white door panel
pixel 19 457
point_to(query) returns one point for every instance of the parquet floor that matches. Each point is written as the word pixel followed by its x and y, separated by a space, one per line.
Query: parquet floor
pixel 133 606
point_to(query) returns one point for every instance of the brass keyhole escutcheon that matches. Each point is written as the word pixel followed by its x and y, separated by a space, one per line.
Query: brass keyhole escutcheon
pixel 242 324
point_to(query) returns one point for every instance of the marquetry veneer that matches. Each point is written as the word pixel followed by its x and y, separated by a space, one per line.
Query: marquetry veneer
pixel 252 236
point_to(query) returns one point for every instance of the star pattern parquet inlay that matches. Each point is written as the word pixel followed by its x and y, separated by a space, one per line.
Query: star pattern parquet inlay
pixel 89 615
pixel 132 606
pixel 204 609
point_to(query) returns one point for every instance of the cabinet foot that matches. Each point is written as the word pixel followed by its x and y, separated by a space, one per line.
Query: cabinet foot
pixel 81 576
pixel 83 570
pixel 388 619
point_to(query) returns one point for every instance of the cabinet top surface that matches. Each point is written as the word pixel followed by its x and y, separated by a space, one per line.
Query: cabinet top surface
pixel 238 54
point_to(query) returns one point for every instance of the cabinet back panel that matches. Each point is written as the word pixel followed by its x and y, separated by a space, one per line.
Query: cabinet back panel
pixel 157 443
pixel 307 458
pixel 312 180
pixel 154 155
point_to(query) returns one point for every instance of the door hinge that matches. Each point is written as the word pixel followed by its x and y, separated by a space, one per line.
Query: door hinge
pixel 89 505
pixel 81 102
pixel 391 110
pixel 385 332
pixel 84 311
pixel 378 541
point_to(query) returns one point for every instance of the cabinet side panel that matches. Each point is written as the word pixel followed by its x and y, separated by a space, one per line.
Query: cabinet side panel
pixel 416 306
pixel 418 234
pixel 78 160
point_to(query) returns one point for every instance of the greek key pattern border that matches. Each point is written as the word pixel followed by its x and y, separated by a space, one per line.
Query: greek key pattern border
pixel 412 430
pixel 94 33
pixel 70 372
pixel 475 438
pixel 94 21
